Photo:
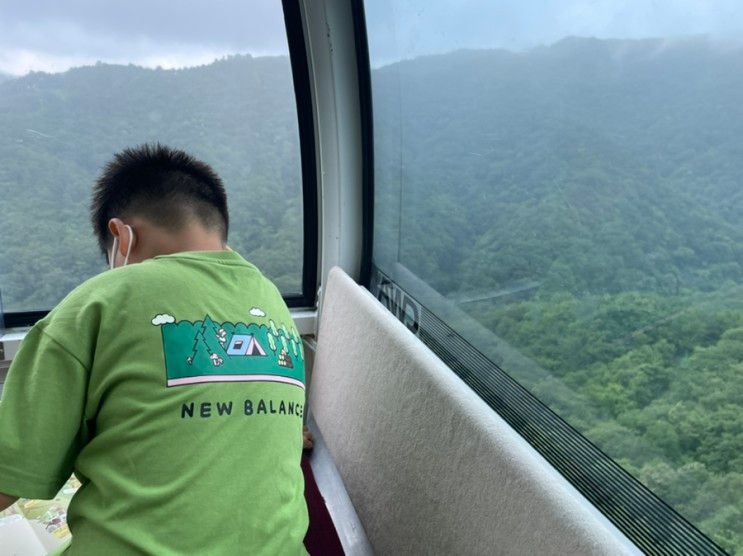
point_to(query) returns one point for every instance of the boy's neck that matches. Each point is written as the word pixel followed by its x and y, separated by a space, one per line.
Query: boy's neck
pixel 156 241
pixel 194 244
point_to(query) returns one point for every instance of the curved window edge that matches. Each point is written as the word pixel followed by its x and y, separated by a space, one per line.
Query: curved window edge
pixel 366 116
pixel 306 122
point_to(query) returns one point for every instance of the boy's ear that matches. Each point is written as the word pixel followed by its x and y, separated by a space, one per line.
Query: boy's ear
pixel 118 229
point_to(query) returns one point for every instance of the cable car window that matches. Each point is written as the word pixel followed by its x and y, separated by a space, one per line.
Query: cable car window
pixel 558 194
pixel 80 81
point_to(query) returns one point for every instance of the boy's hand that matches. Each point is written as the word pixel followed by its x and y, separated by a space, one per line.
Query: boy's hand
pixel 306 438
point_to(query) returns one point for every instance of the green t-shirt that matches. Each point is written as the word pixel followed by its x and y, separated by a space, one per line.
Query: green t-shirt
pixel 174 389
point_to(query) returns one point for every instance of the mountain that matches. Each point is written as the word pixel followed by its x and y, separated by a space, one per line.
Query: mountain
pixel 604 174
pixel 566 164
pixel 562 164
pixel 237 114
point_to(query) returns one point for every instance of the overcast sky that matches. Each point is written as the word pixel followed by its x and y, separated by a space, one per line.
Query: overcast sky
pixel 53 35
pixel 433 26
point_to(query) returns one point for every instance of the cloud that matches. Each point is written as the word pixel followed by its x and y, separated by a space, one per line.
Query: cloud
pixel 163 319
pixel 417 27
pixel 234 23
pixel 49 35
pixel 19 61
pixel 256 312
pixel 44 35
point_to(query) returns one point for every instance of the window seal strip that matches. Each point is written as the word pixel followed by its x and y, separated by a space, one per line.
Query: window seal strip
pixel 23 318
pixel 366 115
pixel 306 121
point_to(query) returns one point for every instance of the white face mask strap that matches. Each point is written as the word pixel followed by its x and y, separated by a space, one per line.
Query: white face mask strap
pixel 112 257
pixel 131 242
pixel 112 260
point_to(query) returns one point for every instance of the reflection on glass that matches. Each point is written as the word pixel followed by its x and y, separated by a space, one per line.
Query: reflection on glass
pixel 77 86
pixel 568 177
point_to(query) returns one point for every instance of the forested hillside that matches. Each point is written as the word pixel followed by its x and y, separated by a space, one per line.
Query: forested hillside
pixel 605 175
pixel 58 130
pixel 603 182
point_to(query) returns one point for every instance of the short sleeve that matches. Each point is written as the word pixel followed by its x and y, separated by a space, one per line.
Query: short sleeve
pixel 41 417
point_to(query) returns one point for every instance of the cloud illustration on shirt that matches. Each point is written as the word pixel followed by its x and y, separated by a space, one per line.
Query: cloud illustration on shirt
pixel 163 319
pixel 256 312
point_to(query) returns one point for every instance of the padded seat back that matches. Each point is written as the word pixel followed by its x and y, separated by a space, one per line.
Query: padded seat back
pixel 430 468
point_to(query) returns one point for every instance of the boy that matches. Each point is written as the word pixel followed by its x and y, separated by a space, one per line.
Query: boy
pixel 173 388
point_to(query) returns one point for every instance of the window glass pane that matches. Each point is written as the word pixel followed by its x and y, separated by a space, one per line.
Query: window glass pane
pixel 81 80
pixel 560 182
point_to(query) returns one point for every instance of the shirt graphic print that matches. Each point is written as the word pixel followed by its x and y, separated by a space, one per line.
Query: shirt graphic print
pixel 208 351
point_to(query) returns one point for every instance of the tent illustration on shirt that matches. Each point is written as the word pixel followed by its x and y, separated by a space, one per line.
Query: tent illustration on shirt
pixel 245 344
pixel 208 351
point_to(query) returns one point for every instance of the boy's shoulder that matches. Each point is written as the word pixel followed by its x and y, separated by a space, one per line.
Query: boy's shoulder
pixel 156 268
pixel 154 277
pixel 101 286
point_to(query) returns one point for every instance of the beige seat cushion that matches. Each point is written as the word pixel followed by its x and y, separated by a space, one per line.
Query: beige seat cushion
pixel 430 468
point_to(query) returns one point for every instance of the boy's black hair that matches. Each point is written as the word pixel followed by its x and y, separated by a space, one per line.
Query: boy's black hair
pixel 166 186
